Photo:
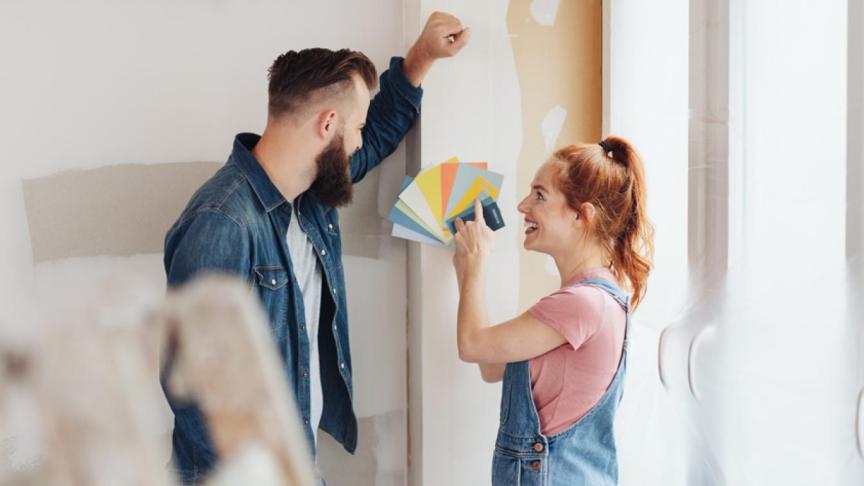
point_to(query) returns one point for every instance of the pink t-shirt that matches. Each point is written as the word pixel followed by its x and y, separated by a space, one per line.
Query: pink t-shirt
pixel 567 381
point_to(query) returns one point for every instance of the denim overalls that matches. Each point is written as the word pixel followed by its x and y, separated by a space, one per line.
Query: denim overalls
pixel 584 454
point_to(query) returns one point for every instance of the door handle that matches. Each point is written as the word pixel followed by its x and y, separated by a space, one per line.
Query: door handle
pixel 660 369
pixel 708 330
pixel 859 423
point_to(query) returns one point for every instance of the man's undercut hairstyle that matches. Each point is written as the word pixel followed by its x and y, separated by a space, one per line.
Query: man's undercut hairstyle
pixel 298 75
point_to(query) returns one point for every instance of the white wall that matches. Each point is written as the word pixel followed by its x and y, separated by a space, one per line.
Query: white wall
pixel 471 110
pixel 787 329
pixel 646 100
pixel 93 83
pixel 761 368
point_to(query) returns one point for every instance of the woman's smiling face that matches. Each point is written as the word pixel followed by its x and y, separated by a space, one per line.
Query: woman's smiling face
pixel 550 223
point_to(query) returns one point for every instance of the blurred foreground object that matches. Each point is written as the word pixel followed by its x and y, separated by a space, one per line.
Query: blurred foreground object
pixel 79 395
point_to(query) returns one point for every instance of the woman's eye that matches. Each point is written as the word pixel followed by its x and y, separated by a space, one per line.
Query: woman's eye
pixel 539 196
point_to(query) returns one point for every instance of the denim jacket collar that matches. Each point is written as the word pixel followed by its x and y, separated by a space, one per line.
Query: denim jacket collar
pixel 267 193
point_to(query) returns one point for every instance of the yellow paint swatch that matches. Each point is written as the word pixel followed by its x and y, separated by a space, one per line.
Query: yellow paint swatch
pixel 429 182
pixel 478 187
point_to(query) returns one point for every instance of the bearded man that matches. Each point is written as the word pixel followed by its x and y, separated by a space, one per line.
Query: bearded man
pixel 269 217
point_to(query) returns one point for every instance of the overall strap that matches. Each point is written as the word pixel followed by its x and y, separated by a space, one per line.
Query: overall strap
pixel 610 288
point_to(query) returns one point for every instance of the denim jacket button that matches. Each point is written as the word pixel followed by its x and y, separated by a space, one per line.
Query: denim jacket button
pixel 323 252
pixel 538 447
pixel 535 465
pixel 342 365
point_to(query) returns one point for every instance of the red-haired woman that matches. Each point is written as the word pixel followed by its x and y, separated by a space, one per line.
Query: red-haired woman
pixel 563 360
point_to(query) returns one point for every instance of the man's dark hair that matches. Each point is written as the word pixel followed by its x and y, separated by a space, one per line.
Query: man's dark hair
pixel 295 75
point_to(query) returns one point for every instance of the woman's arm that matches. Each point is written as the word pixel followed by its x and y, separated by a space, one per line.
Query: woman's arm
pixel 518 339
pixel 492 373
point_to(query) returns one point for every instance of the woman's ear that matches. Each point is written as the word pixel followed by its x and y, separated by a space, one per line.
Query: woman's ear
pixel 588 211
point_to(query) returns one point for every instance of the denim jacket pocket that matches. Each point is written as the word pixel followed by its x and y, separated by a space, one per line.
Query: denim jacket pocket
pixel 273 289
pixel 272 277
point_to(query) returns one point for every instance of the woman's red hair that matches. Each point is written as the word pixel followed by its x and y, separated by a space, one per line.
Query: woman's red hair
pixel 613 182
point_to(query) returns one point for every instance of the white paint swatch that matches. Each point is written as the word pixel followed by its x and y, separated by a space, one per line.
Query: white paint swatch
pixel 544 11
pixel 416 200
pixel 551 126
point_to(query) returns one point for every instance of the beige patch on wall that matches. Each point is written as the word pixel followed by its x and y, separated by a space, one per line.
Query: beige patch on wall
pixel 560 76
pixel 364 229
pixel 377 461
pixel 116 210
pixel 124 210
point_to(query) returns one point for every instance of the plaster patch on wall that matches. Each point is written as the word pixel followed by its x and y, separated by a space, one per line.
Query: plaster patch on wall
pixel 377 330
pixel 379 459
pixel 544 11
pixel 123 210
pixel 118 210
pixel 363 230
pixel 390 449
pixel 364 225
pixel 551 126
pixel 559 66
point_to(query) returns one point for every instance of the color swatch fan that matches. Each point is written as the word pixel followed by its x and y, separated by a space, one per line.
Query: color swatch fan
pixel 429 203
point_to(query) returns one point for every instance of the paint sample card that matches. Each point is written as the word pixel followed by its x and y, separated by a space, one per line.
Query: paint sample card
pixel 479 188
pixel 448 178
pixel 406 234
pixel 404 216
pixel 470 182
pixel 491 214
pixel 429 203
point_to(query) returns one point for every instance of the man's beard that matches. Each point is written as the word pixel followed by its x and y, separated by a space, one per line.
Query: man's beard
pixel 333 185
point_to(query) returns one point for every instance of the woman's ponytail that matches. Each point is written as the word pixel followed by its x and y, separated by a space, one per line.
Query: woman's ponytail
pixel 634 242
pixel 611 176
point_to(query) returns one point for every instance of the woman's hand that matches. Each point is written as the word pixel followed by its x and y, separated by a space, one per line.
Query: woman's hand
pixel 474 241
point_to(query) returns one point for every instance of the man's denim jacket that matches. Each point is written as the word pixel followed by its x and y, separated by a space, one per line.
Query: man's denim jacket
pixel 236 223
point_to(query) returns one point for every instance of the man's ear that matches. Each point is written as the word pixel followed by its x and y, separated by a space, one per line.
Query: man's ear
pixel 325 125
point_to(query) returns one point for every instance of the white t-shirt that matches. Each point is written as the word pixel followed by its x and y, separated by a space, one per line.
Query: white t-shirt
pixel 307 271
